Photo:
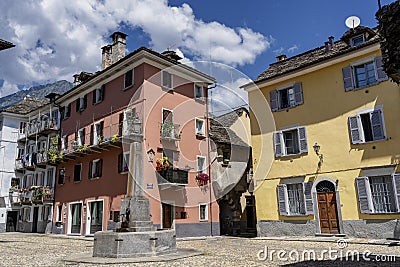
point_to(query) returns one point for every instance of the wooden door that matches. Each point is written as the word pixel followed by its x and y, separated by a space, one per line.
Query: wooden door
pixel 328 215
pixel 167 215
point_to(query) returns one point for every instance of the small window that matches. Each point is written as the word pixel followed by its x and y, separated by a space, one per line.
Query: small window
pixel 290 142
pixel 367 127
pixel 201 164
pixel 64 142
pixel 77 172
pixel 203 212
pixel 123 162
pixel 379 194
pixel 98 133
pixel 95 168
pixel 128 78
pixel 295 199
pixel 67 111
pixel 286 97
pixel 357 40
pixel 98 94
pixel 198 92
pixel 200 127
pixel 22 126
pixel 50 178
pixel 166 79
pixel 81 103
pixel 59 213
pixel 21 153
pixel 81 137
pixel 61 176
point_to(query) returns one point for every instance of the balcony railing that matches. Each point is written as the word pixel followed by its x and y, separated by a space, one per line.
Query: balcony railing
pixel 170 131
pixel 33 194
pixel 38 127
pixel 32 160
pixel 132 127
pixel 174 176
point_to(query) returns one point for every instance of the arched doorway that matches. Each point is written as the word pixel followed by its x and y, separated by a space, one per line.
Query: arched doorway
pixel 327 207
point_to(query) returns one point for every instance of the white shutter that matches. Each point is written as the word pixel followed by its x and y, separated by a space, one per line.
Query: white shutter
pixel 364 195
pixel 281 191
pixel 377 125
pixel 303 147
pixel 380 73
pixel 273 100
pixel 355 133
pixel 308 201
pixel 278 144
pixel 348 78
pixel 298 93
pixel 396 188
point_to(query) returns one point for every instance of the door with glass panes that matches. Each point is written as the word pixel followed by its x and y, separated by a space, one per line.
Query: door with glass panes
pixel 94 217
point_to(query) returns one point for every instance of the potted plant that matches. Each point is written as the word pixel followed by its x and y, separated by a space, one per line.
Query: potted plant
pixel 202 178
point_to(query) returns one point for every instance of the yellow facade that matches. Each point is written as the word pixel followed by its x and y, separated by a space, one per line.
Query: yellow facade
pixel 325 111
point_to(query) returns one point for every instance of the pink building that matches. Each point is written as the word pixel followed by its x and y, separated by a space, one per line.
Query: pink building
pixel 145 96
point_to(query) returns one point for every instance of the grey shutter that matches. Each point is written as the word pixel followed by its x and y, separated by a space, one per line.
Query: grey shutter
pixel 362 184
pixel 308 201
pixel 377 125
pixel 298 93
pixel 278 144
pixel 303 148
pixel 281 191
pixel 273 100
pixel 348 78
pixel 380 73
pixel 355 130
pixel 396 187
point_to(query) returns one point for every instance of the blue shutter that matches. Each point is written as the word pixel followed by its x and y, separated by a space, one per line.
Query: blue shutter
pixel 273 100
pixel 278 144
pixel 380 73
pixel 355 130
pixel 396 188
pixel 281 191
pixel 303 147
pixel 298 93
pixel 308 201
pixel 363 193
pixel 377 125
pixel 348 78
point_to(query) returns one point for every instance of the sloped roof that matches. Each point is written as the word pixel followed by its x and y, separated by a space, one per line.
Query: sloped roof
pixel 316 55
pixel 26 105
pixel 5 44
pixel 220 131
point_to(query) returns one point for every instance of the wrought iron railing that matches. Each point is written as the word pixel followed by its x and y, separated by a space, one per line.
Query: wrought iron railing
pixel 174 176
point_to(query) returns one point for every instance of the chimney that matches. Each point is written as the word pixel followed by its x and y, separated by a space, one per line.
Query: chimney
pixel 327 46
pixel 280 58
pixel 76 79
pixel 81 77
pixel 171 55
pixel 114 52
pixel 330 38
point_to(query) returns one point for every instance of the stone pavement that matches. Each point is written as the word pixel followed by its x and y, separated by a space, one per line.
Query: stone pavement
pixel 20 249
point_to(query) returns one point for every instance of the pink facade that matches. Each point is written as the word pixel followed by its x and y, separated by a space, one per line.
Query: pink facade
pixel 92 173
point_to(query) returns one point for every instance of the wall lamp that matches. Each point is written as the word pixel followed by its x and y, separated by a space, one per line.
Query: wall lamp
pixel 317 148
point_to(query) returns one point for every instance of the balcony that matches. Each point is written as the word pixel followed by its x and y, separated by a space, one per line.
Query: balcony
pixel 32 160
pixel 170 131
pixel 14 196
pixel 35 195
pixel 174 176
pixel 40 127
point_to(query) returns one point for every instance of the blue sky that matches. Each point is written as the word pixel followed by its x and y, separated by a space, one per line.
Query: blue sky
pixel 56 39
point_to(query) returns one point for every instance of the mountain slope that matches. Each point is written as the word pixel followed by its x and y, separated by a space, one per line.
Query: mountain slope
pixel 39 91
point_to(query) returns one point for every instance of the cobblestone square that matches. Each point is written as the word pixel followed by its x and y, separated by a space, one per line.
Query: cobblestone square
pixel 17 249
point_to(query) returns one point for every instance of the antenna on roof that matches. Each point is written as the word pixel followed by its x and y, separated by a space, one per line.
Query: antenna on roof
pixel 352 22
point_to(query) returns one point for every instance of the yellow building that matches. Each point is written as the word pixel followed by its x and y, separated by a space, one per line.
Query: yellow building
pixel 334 168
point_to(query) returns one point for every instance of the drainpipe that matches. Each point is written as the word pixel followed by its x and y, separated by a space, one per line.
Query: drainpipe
pixel 209 156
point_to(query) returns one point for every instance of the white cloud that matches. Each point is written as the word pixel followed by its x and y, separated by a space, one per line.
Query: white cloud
pixel 8 89
pixel 293 48
pixel 55 39
pixel 279 51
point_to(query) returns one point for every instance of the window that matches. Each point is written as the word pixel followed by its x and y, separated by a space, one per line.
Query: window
pixel 166 79
pixel 50 178
pixel 287 97
pixel 39 179
pixel 46 213
pixel 357 40
pixel 22 126
pixel 379 194
pixel 98 132
pixel 81 137
pixel 67 111
pixel 367 127
pixel 64 142
pixel 95 168
pixel 295 199
pixel 21 152
pixel 201 164
pixel 61 176
pixel 123 162
pixel 200 127
pixel 203 212
pixel 290 142
pixel 198 92
pixel 98 95
pixel 364 73
pixel 59 213
pixel 81 103
pixel 129 78
pixel 77 172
